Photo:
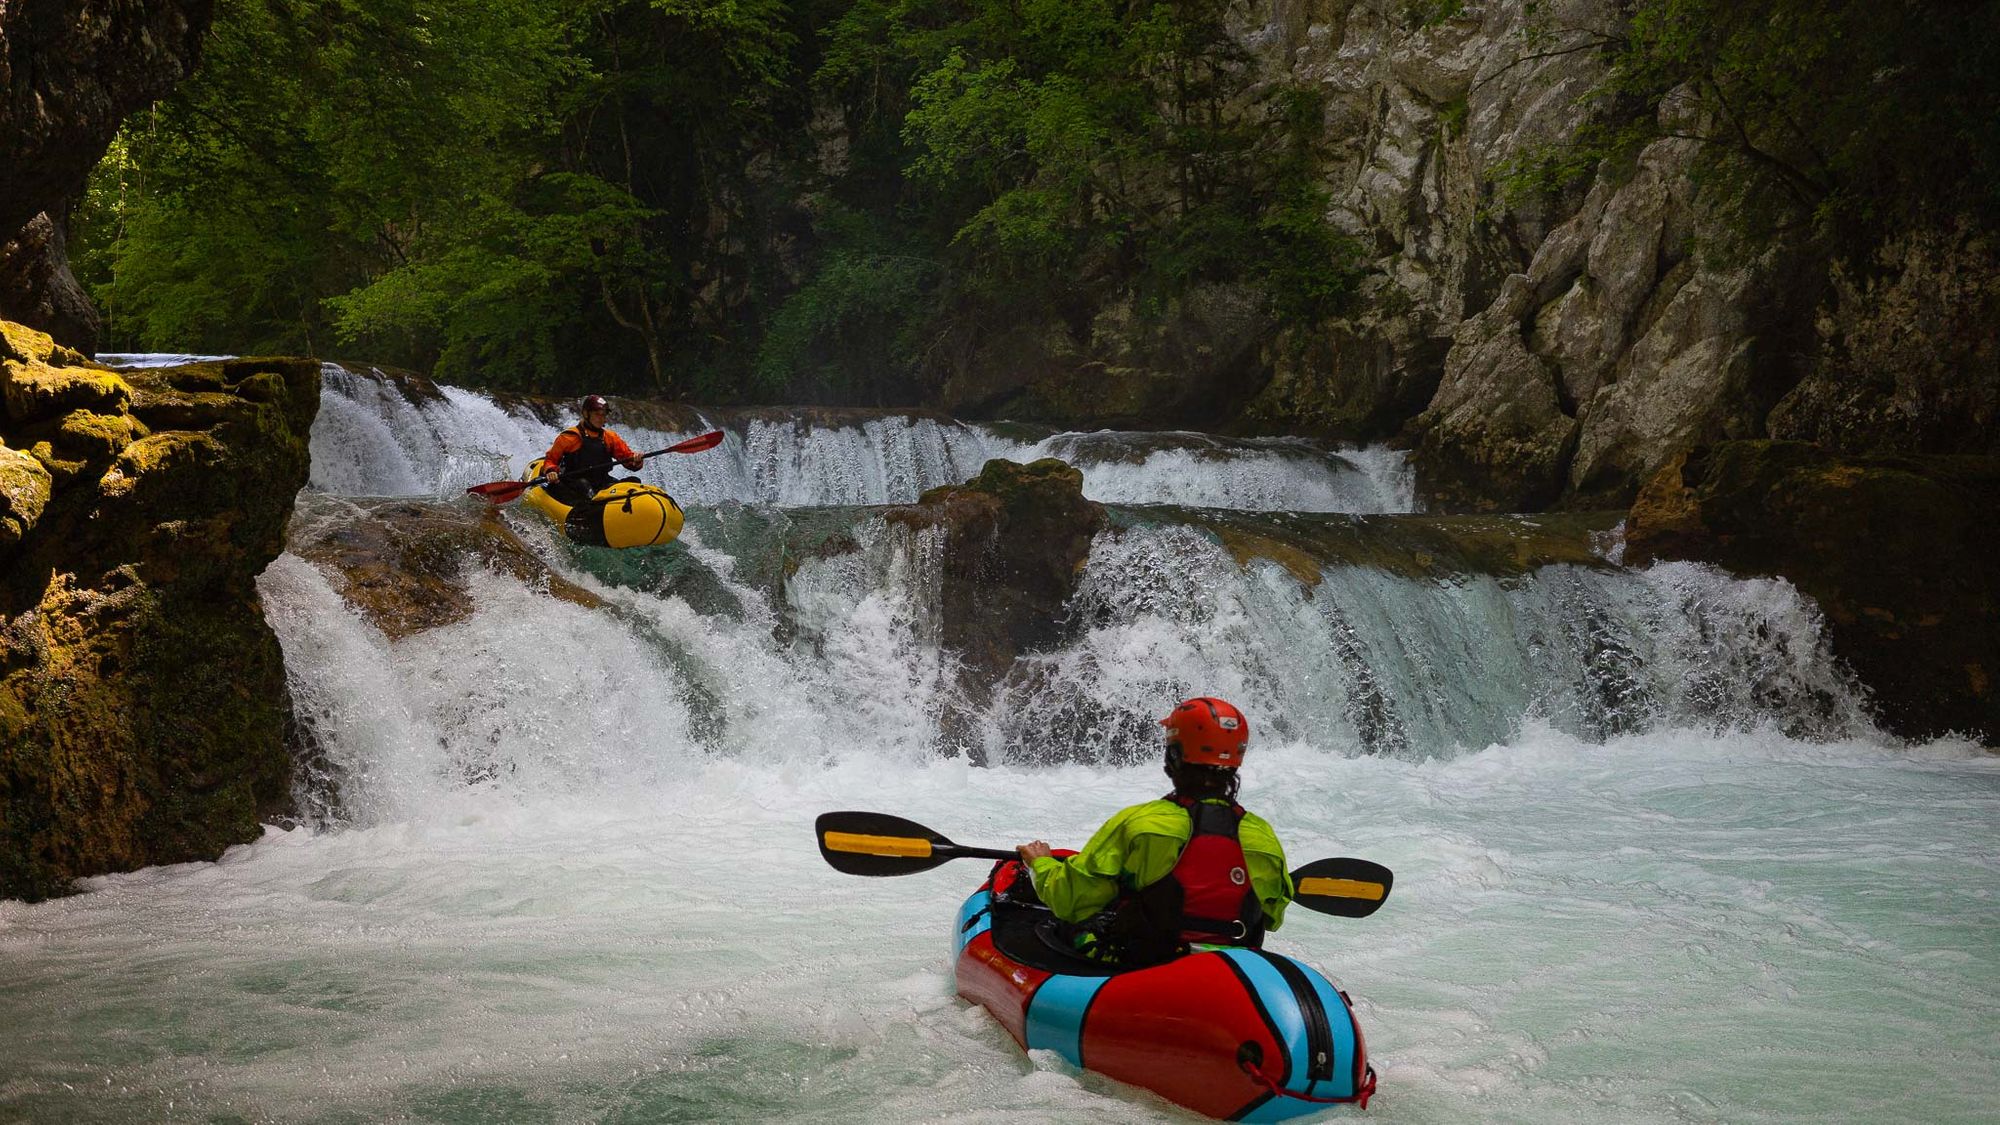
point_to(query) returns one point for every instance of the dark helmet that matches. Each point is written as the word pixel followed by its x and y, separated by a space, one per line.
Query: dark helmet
pixel 1207 732
pixel 594 402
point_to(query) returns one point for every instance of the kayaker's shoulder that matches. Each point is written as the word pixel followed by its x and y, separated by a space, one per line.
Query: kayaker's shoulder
pixel 1255 830
pixel 1160 816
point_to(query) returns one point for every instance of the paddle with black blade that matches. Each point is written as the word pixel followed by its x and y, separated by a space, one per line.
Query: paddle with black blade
pixel 508 491
pixel 866 843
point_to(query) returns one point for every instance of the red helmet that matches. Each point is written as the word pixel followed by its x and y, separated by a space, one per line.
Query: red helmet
pixel 594 402
pixel 1209 732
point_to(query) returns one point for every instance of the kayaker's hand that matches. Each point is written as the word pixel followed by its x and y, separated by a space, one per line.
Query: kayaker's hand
pixel 550 473
pixel 636 463
pixel 1029 853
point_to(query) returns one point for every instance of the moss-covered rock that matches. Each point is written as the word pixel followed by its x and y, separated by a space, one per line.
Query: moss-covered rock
pixel 41 379
pixel 1432 548
pixel 24 492
pixel 142 697
pixel 1902 554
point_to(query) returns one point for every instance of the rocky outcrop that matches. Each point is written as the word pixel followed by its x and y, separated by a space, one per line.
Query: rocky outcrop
pixel 1534 352
pixel 37 288
pixel 1015 539
pixel 70 70
pixel 1901 553
pixel 404 563
pixel 142 696
pixel 1907 353
pixel 1418 116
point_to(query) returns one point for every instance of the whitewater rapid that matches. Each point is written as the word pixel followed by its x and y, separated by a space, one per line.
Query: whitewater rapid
pixel 1652 863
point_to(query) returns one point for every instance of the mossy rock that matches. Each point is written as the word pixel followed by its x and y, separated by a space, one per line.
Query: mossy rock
pixel 25 486
pixel 143 705
pixel 1423 547
pixel 34 391
pixel 84 440
pixel 404 563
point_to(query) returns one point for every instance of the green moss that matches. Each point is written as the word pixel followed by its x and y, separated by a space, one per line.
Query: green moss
pixel 24 491
pixel 142 697
pixel 34 391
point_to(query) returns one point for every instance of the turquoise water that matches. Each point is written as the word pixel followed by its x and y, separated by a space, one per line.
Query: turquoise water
pixel 1666 927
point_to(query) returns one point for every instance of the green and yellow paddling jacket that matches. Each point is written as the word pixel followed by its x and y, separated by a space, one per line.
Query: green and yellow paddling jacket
pixel 1139 846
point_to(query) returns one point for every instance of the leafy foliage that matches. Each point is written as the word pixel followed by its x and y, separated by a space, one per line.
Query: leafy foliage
pixel 640 192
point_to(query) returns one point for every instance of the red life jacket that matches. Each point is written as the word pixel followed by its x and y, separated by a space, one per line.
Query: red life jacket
pixel 1218 904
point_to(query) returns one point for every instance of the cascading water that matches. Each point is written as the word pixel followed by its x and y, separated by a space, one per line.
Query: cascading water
pixel 378 436
pixel 1652 861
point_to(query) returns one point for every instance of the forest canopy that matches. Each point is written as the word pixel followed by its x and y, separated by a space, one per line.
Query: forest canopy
pixel 807 199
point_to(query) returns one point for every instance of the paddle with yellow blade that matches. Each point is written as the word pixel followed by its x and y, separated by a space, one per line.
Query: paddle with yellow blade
pixel 1349 888
pixel 866 843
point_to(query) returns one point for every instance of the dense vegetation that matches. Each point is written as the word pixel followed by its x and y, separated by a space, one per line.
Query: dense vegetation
pixel 818 199
pixel 735 198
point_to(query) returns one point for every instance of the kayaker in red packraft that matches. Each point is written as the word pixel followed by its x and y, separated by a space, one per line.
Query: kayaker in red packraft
pixel 1191 867
pixel 589 447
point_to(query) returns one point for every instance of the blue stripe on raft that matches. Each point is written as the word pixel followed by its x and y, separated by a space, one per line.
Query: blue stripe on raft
pixel 977 906
pixel 1277 998
pixel 1055 1015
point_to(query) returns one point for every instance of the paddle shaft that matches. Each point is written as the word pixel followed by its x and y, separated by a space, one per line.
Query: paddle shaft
pixel 508 491
pixel 868 843
pixel 608 464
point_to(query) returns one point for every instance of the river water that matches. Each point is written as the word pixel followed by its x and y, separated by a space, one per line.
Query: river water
pixel 1652 862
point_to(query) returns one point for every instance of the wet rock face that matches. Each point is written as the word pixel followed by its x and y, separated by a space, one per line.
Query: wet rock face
pixel 142 696
pixel 1901 553
pixel 1016 539
pixel 404 563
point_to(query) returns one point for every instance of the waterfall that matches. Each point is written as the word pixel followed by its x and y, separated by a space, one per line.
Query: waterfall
pixel 384 436
pixel 553 859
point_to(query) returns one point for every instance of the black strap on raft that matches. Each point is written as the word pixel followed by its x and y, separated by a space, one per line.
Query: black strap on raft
pixel 1359 1098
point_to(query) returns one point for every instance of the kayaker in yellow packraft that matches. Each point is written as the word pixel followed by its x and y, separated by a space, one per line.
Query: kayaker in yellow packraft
pixel 589 452
pixel 1192 866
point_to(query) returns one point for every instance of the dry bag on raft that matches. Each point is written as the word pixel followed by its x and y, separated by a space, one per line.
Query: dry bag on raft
pixel 627 514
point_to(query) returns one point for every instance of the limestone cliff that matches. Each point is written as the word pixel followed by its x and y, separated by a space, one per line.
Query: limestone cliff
pixel 1559 350
pixel 142 696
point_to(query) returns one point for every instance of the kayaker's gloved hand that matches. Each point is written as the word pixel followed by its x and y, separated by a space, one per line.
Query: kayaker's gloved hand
pixel 635 463
pixel 1029 853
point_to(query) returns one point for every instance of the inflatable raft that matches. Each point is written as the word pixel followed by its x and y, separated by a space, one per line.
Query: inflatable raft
pixel 1239 1034
pixel 627 514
